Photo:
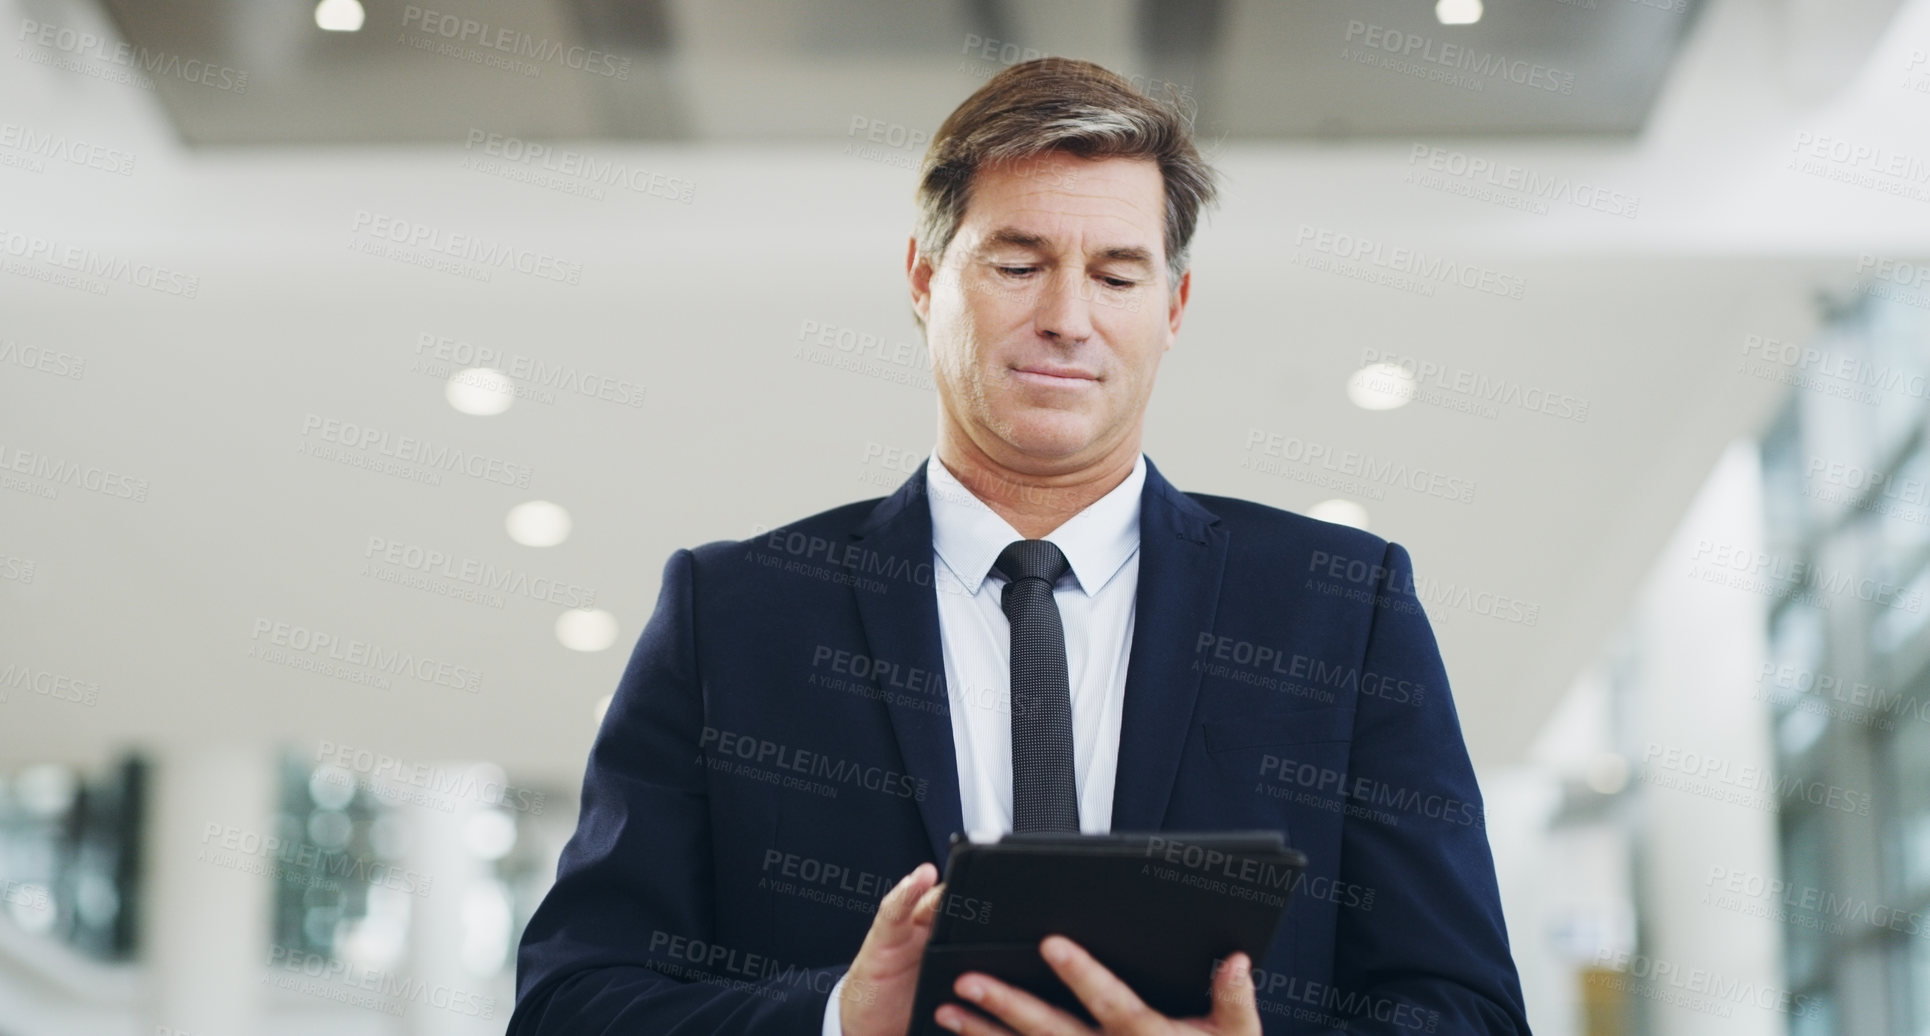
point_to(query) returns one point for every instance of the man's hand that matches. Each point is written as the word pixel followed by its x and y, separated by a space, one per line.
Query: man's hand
pixel 1118 1009
pixel 882 979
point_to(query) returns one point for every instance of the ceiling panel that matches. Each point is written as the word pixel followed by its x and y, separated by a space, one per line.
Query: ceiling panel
pixel 756 70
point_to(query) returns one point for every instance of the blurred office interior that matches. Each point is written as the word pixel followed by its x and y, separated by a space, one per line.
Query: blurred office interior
pixel 292 720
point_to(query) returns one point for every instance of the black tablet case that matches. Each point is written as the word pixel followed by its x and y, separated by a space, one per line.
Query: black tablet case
pixel 1156 909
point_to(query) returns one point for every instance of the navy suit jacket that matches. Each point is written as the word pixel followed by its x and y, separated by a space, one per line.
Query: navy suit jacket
pixel 779 753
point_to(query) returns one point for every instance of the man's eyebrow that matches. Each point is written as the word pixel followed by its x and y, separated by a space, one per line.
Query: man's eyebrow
pixel 1035 243
pixel 1015 239
pixel 1128 254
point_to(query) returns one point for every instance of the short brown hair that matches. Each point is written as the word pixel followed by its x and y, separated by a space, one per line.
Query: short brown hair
pixel 1061 104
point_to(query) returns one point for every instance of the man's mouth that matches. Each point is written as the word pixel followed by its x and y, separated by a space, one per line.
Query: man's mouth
pixel 1046 374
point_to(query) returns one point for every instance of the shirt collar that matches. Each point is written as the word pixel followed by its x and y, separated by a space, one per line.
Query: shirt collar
pixel 969 536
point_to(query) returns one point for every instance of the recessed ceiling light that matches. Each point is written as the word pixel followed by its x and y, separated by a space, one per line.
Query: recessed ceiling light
pixel 1381 386
pixel 586 629
pixel 1458 12
pixel 538 523
pixel 481 391
pixel 339 15
pixel 489 834
pixel 1341 512
pixel 46 790
pixel 32 907
pixel 1608 773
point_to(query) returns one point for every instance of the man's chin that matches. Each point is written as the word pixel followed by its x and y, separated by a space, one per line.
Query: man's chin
pixel 1051 445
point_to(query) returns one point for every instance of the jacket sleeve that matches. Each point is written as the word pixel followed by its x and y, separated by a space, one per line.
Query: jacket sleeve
pixel 1432 956
pixel 624 941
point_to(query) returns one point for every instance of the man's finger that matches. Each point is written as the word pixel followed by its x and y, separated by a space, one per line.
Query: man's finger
pixel 898 907
pixel 1018 1009
pixel 968 1023
pixel 1112 1002
pixel 1235 1013
pixel 927 907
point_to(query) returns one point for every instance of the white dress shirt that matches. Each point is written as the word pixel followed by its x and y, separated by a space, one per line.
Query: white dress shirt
pixel 1095 599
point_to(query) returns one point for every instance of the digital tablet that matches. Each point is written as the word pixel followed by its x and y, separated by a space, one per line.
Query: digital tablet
pixel 1157 909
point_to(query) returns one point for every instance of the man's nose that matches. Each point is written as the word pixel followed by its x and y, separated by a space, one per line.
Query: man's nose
pixel 1065 309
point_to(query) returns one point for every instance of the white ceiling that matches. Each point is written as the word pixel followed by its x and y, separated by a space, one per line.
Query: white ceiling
pixel 702 305
pixel 759 70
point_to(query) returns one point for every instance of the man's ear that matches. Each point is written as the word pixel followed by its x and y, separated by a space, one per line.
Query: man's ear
pixel 1176 306
pixel 918 273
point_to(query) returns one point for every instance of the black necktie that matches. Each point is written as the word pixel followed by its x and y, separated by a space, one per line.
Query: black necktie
pixel 1044 795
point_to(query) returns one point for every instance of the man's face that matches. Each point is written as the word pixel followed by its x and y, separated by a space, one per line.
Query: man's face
pixel 1051 308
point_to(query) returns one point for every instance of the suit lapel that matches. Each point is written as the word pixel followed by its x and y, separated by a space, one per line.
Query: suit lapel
pixel 893 547
pixel 1182 556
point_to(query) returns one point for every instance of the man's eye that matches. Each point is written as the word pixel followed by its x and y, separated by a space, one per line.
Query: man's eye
pixel 1016 271
pixel 1118 282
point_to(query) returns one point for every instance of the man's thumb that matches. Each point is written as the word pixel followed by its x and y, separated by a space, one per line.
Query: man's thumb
pixel 1233 1004
pixel 896 910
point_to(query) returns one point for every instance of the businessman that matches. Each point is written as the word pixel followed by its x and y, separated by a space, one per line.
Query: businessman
pixel 1035 632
